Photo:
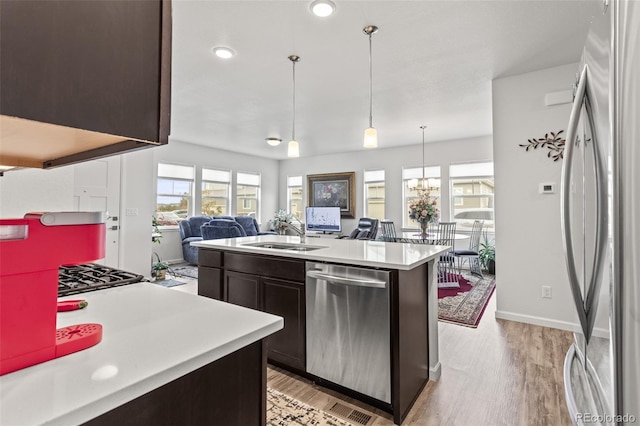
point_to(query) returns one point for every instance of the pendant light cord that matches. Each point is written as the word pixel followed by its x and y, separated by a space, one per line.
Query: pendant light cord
pixel 423 127
pixel 293 127
pixel 370 84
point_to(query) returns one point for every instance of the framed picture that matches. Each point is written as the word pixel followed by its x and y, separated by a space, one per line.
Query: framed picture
pixel 331 190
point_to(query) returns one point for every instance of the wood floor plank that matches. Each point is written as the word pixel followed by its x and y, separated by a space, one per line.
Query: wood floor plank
pixel 501 373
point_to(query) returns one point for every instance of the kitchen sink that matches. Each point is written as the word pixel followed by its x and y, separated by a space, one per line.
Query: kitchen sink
pixel 284 246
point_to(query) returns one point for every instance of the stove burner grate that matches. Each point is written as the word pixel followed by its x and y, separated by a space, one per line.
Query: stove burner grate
pixel 73 279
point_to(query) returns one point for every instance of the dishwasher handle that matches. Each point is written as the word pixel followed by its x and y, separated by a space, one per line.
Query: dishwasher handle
pixel 347 281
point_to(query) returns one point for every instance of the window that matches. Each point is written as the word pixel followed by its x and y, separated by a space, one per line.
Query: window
pixel 374 194
pixel 294 195
pixel 472 189
pixel 410 178
pixel 216 185
pixel 248 194
pixel 174 193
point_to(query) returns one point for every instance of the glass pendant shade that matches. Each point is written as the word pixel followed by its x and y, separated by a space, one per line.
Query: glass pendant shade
pixel 370 138
pixel 293 150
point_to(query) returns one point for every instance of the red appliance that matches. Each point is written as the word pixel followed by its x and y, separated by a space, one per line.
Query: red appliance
pixel 31 250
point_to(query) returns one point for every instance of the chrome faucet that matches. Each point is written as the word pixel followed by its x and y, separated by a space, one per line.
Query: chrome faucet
pixel 300 231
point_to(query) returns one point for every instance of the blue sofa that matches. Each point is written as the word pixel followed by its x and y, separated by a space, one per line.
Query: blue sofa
pixel 225 227
pixel 249 225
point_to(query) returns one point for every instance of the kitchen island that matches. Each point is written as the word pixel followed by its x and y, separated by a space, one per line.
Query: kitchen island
pixel 271 273
pixel 166 357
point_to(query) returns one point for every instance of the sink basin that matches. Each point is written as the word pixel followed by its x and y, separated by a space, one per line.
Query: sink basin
pixel 284 246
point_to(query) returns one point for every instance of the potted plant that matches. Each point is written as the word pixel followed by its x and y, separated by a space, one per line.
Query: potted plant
pixel 487 254
pixel 156 233
pixel 281 220
pixel 159 268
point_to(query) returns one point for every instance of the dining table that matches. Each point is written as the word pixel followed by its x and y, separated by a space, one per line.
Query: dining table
pixel 446 278
pixel 430 237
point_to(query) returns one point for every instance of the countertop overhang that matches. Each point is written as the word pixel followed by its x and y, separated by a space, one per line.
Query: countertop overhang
pixel 373 253
pixel 151 336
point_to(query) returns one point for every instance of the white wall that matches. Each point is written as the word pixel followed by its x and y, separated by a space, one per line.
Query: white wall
pixel 392 160
pixel 35 190
pixel 529 251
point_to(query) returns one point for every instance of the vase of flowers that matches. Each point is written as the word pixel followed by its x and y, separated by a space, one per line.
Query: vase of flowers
pixel 280 221
pixel 423 210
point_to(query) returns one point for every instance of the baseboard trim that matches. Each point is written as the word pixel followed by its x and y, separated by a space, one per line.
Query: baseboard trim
pixel 435 372
pixel 546 322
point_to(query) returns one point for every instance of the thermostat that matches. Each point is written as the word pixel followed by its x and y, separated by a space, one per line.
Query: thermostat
pixel 547 188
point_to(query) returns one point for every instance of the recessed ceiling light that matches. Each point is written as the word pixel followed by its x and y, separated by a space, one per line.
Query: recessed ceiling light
pixel 274 141
pixel 223 52
pixel 322 8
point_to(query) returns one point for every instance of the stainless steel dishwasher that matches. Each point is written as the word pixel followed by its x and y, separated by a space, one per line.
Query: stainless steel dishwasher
pixel 348 341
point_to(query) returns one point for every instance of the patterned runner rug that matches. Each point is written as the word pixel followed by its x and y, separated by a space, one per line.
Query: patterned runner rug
pixel 169 283
pixel 282 410
pixel 466 305
pixel 185 270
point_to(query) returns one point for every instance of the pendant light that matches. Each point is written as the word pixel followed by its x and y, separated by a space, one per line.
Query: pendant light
pixel 423 184
pixel 370 134
pixel 413 183
pixel 293 149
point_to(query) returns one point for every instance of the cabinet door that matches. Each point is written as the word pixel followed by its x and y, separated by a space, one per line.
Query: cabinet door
pixel 242 289
pixel 286 299
pixel 210 282
pixel 88 65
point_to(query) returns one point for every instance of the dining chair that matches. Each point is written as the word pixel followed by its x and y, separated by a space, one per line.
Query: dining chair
pixel 447 274
pixel 471 254
pixel 388 230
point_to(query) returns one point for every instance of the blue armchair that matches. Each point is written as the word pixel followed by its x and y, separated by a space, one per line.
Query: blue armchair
pixel 248 223
pixel 222 228
pixel 190 231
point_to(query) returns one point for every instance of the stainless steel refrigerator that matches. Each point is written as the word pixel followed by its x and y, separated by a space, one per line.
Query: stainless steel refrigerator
pixel 601 220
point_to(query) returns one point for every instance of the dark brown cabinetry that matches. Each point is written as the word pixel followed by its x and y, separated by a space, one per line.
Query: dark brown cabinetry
pixel 267 283
pixel 243 289
pixel 97 70
pixel 286 299
pixel 211 279
pixel 210 274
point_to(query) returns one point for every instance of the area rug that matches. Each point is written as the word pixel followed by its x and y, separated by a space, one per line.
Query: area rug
pixel 467 304
pixel 190 271
pixel 169 283
pixel 282 410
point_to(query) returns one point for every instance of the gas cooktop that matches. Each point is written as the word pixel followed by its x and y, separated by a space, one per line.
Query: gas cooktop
pixel 73 279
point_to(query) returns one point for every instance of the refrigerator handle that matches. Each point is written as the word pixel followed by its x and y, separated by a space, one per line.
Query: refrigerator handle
pixel 565 189
pixel 602 215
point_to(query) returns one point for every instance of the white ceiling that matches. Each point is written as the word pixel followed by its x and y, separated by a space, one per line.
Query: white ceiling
pixel 433 62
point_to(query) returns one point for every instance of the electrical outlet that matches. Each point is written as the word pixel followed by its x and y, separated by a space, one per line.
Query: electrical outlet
pixel 131 212
pixel 546 292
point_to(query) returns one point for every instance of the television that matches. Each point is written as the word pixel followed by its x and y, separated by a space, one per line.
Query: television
pixel 323 219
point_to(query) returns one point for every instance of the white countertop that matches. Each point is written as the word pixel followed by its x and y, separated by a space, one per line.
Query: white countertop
pixel 151 336
pixel 377 254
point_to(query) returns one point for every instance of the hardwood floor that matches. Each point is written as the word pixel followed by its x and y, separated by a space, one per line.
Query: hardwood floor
pixel 502 373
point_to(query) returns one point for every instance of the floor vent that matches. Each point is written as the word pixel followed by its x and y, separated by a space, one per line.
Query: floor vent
pixel 349 413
